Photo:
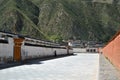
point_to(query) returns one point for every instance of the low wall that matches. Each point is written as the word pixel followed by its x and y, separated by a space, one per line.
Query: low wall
pixel 92 50
pixel 112 51
pixel 85 50
pixel 79 50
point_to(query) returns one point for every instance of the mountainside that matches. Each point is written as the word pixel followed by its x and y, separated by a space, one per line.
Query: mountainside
pixel 61 19
pixel 21 17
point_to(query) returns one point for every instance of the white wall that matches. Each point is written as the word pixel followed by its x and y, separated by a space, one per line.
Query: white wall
pixel 70 51
pixel 60 51
pixel 79 50
pixel 84 50
pixel 34 52
pixel 6 49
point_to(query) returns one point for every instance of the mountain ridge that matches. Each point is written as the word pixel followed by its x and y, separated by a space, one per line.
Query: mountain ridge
pixel 59 20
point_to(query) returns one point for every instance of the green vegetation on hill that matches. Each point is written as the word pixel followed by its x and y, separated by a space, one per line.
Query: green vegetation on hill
pixel 21 17
pixel 59 20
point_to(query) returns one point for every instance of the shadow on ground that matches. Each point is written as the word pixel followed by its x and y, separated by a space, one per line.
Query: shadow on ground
pixel 31 61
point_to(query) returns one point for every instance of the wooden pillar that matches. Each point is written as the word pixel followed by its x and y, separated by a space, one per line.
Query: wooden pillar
pixel 17 49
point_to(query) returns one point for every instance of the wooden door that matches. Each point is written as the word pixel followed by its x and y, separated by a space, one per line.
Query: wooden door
pixel 17 49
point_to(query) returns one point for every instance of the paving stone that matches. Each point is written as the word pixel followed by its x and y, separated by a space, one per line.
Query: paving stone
pixel 78 67
pixel 107 70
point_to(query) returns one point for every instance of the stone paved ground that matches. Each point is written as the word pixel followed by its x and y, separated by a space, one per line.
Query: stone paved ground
pixel 107 70
pixel 77 67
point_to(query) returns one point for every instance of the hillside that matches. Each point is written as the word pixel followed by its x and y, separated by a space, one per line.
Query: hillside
pixel 20 16
pixel 61 19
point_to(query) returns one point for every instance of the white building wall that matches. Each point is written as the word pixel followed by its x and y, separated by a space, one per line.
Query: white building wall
pixel 70 51
pixel 60 51
pixel 34 52
pixel 79 50
pixel 6 50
